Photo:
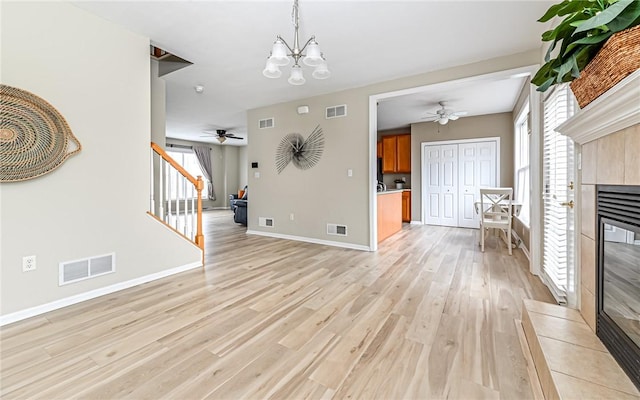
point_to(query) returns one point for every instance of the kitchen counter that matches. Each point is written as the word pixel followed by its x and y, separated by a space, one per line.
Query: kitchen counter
pixel 389 213
pixel 394 191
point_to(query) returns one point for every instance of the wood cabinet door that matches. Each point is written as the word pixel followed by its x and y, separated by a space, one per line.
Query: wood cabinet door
pixel 388 154
pixel 379 149
pixel 406 206
pixel 403 154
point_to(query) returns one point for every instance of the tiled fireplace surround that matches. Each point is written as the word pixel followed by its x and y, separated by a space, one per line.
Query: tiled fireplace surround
pixel 570 361
pixel 613 160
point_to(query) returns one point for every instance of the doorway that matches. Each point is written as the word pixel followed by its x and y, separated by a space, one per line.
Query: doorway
pixel 452 174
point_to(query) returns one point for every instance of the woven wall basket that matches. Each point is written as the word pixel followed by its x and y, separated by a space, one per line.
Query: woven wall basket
pixel 618 58
pixel 34 138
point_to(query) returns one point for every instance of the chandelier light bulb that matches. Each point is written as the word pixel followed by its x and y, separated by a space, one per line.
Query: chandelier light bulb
pixel 443 120
pixel 314 56
pixel 321 71
pixel 279 53
pixel 271 70
pixel 296 78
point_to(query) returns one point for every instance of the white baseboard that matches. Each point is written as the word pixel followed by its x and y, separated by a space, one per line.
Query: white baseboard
pixel 78 298
pixel 521 244
pixel 310 240
pixel 416 222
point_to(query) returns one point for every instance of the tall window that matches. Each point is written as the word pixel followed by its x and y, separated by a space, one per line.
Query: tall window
pixel 189 162
pixel 523 191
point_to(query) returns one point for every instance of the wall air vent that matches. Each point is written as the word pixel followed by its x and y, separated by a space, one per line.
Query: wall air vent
pixel 79 270
pixel 336 111
pixel 265 222
pixel 266 123
pixel 335 229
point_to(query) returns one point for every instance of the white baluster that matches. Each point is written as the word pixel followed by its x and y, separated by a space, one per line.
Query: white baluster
pixel 193 212
pixel 168 220
pixel 161 189
pixel 152 207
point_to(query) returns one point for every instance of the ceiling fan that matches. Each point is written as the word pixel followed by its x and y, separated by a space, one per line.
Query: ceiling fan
pixel 443 115
pixel 222 135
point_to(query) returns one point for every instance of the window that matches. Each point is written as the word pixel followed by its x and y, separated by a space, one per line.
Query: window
pixel 522 192
pixel 189 162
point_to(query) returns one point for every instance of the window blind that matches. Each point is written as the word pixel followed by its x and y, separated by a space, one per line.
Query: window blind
pixel 558 223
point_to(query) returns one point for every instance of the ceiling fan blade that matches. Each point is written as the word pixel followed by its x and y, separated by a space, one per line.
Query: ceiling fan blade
pixel 460 113
pixel 233 137
pixel 453 117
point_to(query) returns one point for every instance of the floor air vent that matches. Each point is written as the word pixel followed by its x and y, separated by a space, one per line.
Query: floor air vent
pixel 265 123
pixel 335 229
pixel 79 270
pixel 265 222
pixel 336 111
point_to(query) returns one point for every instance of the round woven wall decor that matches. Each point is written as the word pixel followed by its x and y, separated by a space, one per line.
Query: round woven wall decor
pixel 34 136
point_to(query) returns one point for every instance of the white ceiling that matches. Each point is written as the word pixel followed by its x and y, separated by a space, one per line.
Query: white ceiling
pixel 364 42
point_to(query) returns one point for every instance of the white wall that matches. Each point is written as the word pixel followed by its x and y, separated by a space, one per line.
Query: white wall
pixel 325 193
pixel 96 75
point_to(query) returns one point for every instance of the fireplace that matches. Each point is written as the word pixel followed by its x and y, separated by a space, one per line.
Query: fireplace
pixel 618 275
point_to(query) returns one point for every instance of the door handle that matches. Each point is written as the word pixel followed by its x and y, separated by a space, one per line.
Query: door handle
pixel 569 204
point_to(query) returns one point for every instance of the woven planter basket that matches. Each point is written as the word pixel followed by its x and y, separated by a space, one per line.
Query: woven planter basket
pixel 618 58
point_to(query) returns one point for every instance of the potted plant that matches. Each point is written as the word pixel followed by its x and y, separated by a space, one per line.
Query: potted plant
pixel 585 28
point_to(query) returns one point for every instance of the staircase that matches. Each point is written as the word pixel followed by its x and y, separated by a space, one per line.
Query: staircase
pixel 176 197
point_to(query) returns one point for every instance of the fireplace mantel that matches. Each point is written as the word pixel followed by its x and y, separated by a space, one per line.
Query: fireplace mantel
pixel 616 109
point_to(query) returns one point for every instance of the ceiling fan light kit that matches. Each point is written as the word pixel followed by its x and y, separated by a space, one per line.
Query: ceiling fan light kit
pixel 282 53
pixel 443 116
pixel 222 135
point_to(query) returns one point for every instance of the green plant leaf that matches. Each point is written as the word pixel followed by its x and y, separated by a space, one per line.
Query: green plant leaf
pixel 626 19
pixel 565 69
pixel 576 6
pixel 546 85
pixel 604 17
pixel 553 11
pixel 588 40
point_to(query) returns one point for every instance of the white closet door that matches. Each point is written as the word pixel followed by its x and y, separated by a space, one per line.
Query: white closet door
pixel 432 185
pixel 449 214
pixel 477 163
pixel 441 185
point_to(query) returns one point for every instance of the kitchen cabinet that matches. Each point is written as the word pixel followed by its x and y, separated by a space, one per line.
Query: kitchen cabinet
pixel 396 154
pixel 379 149
pixel 406 206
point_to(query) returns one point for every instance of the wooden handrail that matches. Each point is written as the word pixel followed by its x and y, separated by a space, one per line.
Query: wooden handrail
pixel 198 183
pixel 175 165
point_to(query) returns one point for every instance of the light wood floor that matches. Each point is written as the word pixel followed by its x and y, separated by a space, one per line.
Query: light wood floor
pixel 426 317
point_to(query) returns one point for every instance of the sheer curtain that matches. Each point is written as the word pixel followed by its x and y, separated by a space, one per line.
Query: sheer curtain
pixel 204 159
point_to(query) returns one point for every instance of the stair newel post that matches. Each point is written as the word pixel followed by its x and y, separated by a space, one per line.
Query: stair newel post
pixel 199 235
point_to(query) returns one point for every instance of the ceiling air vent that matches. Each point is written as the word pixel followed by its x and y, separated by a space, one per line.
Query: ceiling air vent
pixel 335 229
pixel 79 270
pixel 266 123
pixel 336 111
pixel 265 222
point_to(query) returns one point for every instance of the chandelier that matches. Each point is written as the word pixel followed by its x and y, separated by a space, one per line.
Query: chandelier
pixel 281 53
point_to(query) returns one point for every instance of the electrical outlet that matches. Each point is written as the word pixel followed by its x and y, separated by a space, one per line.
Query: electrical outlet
pixel 28 263
pixel 291 216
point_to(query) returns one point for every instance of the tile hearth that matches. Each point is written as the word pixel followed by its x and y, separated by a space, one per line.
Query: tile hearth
pixel 570 360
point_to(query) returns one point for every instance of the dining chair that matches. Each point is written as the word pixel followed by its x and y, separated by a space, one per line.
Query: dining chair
pixel 495 212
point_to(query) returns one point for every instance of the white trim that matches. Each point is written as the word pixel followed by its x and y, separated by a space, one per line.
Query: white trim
pixel 519 240
pixel 535 177
pixel 78 298
pixel 616 109
pixel 416 223
pixel 310 240
pixel 373 172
